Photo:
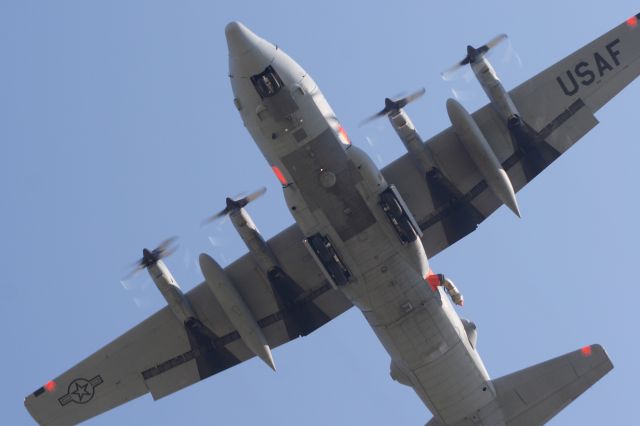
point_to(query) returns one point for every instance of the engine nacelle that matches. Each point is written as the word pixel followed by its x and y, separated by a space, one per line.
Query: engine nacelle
pixel 246 228
pixel 499 97
pixel 412 141
pixel 170 290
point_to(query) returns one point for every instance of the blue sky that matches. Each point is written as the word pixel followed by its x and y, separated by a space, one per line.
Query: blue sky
pixel 117 130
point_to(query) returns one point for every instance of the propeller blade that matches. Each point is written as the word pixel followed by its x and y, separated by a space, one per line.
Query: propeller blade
pixel 164 249
pixel 135 268
pixel 473 54
pixel 394 106
pixel 447 74
pixel 221 213
pixel 373 117
pixel 168 251
pixel 415 95
pixel 496 41
pixel 234 204
pixel 163 246
pixel 253 196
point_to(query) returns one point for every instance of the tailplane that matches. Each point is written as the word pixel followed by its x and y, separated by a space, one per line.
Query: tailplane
pixel 534 395
pixel 531 397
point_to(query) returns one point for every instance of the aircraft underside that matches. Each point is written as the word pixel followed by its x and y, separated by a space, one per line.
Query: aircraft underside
pixel 362 238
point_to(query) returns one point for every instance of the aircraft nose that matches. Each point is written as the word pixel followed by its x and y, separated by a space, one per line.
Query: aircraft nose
pixel 249 54
pixel 240 39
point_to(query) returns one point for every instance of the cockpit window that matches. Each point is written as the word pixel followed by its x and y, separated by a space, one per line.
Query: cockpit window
pixel 267 83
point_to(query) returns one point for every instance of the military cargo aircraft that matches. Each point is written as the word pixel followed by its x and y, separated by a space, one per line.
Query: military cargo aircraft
pixel 363 237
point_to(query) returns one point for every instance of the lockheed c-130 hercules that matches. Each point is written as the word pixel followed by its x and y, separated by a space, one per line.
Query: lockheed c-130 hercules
pixel 363 237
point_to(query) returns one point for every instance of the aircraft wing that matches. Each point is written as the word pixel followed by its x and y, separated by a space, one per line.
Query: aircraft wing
pixel 161 355
pixel 558 107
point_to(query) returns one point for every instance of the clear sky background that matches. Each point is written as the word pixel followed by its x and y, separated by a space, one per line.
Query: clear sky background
pixel 117 130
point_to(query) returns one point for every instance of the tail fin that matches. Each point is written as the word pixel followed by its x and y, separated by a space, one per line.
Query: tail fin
pixel 534 395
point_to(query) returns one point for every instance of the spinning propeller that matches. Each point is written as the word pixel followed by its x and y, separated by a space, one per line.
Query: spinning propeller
pixel 150 257
pixel 235 205
pixel 391 106
pixel 473 54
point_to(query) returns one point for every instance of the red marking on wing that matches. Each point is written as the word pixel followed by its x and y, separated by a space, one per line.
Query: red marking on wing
pixel 50 386
pixel 280 176
pixel 632 22
pixel 586 351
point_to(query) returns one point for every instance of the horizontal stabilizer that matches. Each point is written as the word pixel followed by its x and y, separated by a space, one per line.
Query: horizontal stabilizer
pixel 534 395
pixel 531 397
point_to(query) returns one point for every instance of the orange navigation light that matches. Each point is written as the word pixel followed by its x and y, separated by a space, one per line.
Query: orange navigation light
pixel 586 351
pixel 50 386
pixel 344 138
pixel 279 175
pixel 632 22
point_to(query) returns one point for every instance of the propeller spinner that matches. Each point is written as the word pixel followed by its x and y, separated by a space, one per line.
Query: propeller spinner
pixel 391 106
pixel 474 54
pixel 149 257
pixel 235 205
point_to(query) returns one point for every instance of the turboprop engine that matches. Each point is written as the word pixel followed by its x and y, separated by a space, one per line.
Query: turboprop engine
pixel 163 279
pixel 247 230
pixel 406 130
pixel 486 75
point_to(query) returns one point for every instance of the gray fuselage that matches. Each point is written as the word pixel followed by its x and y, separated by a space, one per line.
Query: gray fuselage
pixel 333 190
